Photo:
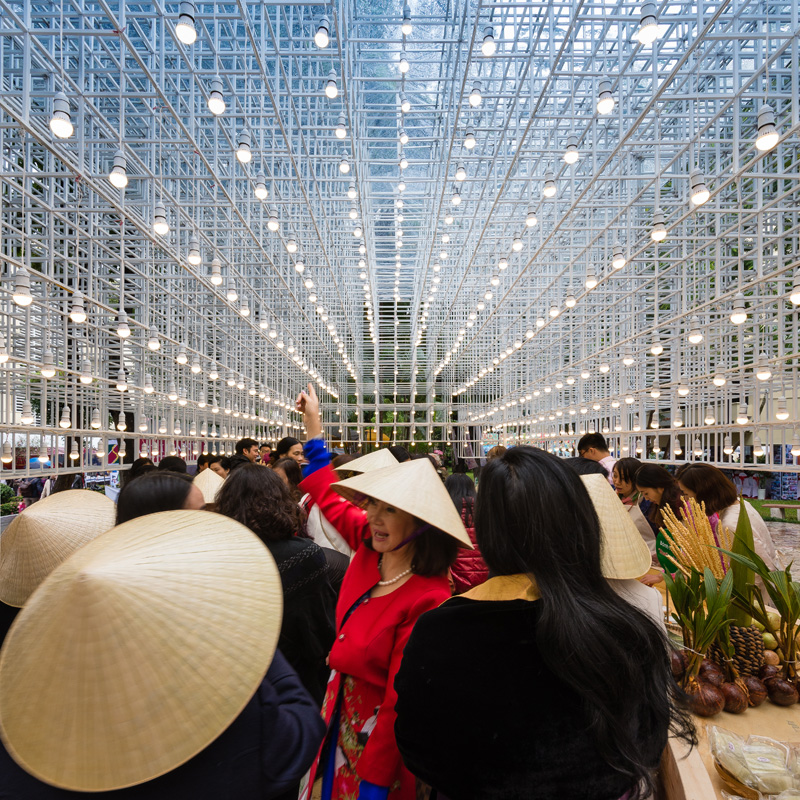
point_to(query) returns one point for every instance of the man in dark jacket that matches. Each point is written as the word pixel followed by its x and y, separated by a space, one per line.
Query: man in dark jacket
pixel 246 452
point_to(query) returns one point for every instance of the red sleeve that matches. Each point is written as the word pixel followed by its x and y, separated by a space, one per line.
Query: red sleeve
pixel 380 761
pixel 349 520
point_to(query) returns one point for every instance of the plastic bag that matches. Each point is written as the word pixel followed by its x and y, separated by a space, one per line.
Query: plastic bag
pixel 758 763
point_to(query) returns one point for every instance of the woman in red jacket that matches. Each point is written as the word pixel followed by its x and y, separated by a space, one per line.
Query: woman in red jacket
pixel 470 569
pixel 405 538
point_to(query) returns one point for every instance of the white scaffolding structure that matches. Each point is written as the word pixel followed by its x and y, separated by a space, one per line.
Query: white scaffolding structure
pixel 443 228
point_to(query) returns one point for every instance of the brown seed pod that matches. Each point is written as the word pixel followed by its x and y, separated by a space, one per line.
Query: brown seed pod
pixel 677 661
pixel 705 699
pixel 712 674
pixel 735 698
pixel 781 692
pixel 768 671
pixel 757 692
pixel 771 658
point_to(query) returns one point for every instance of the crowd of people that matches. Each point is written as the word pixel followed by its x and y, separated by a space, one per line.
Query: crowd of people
pixel 404 637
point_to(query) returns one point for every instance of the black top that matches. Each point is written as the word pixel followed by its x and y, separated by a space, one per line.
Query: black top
pixel 7 615
pixel 309 609
pixel 480 715
pixel 262 755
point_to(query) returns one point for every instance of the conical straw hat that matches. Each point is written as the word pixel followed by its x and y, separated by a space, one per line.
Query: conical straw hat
pixel 623 553
pixel 139 650
pixel 45 534
pixel 414 487
pixel 209 483
pixel 377 459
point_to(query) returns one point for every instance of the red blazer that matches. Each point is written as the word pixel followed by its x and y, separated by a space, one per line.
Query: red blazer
pixel 369 646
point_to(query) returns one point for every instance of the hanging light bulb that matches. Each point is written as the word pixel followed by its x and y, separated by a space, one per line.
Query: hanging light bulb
pixel 727 445
pixel 95 422
pixel 605 100
pixel 659 230
pixel 758 448
pixel 196 367
pixel 261 186
pixel 795 451
pixel 768 134
pixel 636 426
pixel 122 383
pixel 123 329
pixel 695 334
pixel 683 386
pixel 676 446
pixel 194 256
pixel 719 379
pixel 699 191
pixel 61 121
pixel 794 295
pixel 43 456
pixel 627 357
pixel 741 417
pixel 121 424
pixel 648 26
pixel 272 222
pixel 697 447
pixel 403 65
pixel 331 87
pixel 26 417
pixel 118 176
pixel 185 29
pixel 8 454
pixel 531 219
pixel 763 371
pixel 455 199
pixel 488 46
pixel 516 245
pixel 216 101
pixel 618 260
pixel 591 279
pixel 571 155
pixel 230 293
pixel 475 96
pixel 469 139
pixel 322 36
pixel 216 272
pixel 244 153
pixel 405 26
pixel 738 314
pixel 341 128
pixel 710 417
pixel 549 189
pixel 300 266
pixel 160 224
pixel 22 288
pixel 344 165
pixel 461 172
pixel 48 368
pixel 182 357
pixel 554 311
pixel 781 410
pixel 86 372
pixel 77 312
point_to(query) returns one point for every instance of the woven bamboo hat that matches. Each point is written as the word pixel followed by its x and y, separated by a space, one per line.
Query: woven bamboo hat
pixel 139 650
pixel 377 459
pixel 624 553
pixel 45 534
pixel 209 483
pixel 414 487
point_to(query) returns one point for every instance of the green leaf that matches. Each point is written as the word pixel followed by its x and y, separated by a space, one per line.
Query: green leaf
pixel 742 574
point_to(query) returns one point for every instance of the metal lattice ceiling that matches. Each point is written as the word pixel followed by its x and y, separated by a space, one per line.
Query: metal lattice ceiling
pixel 473 314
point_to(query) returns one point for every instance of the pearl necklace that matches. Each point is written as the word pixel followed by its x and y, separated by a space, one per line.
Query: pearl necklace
pixel 395 579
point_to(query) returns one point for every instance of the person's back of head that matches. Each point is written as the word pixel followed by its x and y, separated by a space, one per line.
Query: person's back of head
pixel 294 475
pixel 204 460
pixel 496 452
pixel 585 467
pixel 172 464
pixel 399 452
pixel 157 490
pixel 342 459
pixel 245 444
pixel 260 500
pixel 593 442
pixel 139 467
pixel 518 532
pixel 709 485
pixel 461 489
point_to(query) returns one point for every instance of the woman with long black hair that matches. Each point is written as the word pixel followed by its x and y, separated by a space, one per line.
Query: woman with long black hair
pixel 577 696
pixel 657 485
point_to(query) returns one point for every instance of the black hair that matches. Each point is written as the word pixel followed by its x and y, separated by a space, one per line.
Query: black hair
pixel 653 476
pixel 284 446
pixel 585 466
pixel 206 460
pixel 245 444
pixel 139 467
pixel 627 468
pixel 709 485
pixel 596 440
pixel 583 625
pixel 461 489
pixel 291 469
pixel 260 500
pixel 399 452
pixel 265 444
pixel 172 464
pixel 156 490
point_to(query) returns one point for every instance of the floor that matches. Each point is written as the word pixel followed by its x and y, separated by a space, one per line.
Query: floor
pixel 786 537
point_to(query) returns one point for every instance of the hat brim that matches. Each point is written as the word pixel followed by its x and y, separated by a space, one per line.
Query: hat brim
pixel 377 459
pixel 623 554
pixel 414 487
pixel 144 645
